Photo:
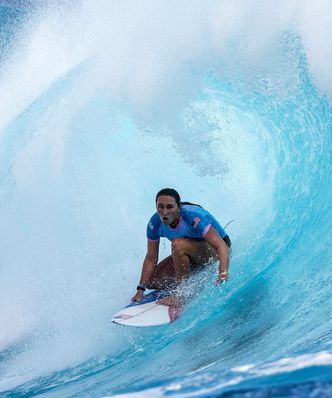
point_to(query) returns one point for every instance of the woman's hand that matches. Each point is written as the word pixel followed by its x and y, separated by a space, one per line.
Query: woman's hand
pixel 222 277
pixel 138 296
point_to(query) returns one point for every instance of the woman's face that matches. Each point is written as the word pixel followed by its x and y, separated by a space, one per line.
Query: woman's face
pixel 167 209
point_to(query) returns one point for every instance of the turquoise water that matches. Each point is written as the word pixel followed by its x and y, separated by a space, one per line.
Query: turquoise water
pixel 104 104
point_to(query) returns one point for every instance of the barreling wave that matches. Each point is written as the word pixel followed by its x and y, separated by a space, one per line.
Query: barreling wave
pixel 111 102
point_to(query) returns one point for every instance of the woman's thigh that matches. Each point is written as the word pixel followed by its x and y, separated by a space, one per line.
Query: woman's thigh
pixel 199 252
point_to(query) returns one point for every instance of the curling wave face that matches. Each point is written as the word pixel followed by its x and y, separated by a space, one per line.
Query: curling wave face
pixel 238 119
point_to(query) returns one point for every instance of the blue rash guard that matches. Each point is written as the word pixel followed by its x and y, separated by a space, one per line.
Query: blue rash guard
pixel 194 223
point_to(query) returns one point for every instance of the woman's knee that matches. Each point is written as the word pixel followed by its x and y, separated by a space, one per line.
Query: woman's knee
pixel 179 245
pixel 179 241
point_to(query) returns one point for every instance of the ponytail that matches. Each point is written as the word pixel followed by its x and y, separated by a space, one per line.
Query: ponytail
pixel 189 203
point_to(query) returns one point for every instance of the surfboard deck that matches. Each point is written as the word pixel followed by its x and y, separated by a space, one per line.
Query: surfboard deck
pixel 147 312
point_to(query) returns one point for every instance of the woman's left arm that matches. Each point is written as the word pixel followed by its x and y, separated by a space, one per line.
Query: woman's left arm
pixel 217 242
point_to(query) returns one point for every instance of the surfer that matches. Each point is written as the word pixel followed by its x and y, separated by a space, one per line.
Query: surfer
pixel 197 238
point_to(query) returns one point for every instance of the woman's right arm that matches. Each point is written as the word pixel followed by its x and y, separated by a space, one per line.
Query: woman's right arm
pixel 150 261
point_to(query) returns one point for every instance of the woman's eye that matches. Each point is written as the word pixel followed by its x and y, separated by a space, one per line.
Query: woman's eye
pixel 168 207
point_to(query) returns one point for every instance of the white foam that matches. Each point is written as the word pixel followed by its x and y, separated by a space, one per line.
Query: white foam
pixel 146 50
pixel 286 365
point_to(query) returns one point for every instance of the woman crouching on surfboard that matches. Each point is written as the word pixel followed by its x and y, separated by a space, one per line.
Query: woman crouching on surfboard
pixel 196 236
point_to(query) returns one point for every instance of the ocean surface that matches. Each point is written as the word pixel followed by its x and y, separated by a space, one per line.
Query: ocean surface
pixel 102 104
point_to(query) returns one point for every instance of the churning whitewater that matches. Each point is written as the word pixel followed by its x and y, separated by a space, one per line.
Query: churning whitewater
pixel 103 104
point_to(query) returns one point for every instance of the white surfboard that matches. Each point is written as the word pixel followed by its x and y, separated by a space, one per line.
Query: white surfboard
pixel 146 312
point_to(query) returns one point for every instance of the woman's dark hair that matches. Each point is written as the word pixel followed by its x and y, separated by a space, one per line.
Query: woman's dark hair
pixel 174 194
pixel 169 192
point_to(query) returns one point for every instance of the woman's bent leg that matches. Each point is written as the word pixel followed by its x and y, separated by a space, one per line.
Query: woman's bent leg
pixel 163 276
pixel 187 255
pixel 190 254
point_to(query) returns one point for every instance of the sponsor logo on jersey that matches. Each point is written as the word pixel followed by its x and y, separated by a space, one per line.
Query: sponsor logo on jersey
pixel 195 222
